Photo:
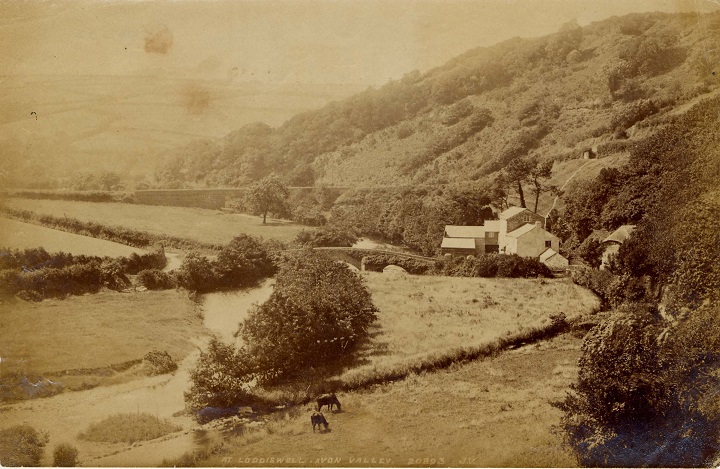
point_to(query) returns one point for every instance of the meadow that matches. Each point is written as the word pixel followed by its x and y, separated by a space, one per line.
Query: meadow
pixel 207 226
pixel 491 413
pixel 19 235
pixel 95 331
pixel 425 318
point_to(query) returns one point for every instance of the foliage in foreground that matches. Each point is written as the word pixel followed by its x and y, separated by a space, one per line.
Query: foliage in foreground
pixel 65 455
pixel 318 312
pixel 647 389
pixel 21 445
pixel 128 428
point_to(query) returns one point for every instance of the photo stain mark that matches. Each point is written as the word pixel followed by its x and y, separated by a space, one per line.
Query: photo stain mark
pixel 159 40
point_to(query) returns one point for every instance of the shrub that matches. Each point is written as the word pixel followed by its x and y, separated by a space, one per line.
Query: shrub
pixel 21 445
pixel 160 362
pixel 196 274
pixel 325 237
pixel 29 295
pixel 492 265
pixel 154 279
pixel 65 455
pixel 128 428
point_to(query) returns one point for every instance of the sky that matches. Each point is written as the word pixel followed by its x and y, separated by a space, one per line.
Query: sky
pixel 364 42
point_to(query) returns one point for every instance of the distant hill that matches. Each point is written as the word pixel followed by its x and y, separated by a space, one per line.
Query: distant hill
pixel 56 126
pixel 602 86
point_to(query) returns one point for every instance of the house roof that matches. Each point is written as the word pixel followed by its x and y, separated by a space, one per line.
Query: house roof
pixel 511 212
pixel 620 235
pixel 492 225
pixel 456 231
pixel 458 243
pixel 599 235
pixel 526 228
pixel 549 253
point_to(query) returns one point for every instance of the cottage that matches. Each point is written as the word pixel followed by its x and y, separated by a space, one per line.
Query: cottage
pixel 613 241
pixel 518 231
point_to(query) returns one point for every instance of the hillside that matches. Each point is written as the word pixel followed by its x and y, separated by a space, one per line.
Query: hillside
pixel 600 86
pixel 126 123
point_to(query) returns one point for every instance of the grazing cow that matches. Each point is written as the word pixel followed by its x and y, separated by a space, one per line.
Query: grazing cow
pixel 328 400
pixel 318 419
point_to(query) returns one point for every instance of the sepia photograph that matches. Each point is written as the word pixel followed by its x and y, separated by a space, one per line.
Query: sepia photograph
pixel 360 233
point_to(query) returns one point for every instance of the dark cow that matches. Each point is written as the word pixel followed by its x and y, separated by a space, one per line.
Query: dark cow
pixel 328 400
pixel 318 419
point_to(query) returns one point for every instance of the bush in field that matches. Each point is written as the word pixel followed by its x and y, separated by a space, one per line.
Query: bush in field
pixel 221 379
pixel 325 237
pixel 29 295
pixel 196 274
pixel 160 362
pixel 244 261
pixel 21 445
pixel 318 311
pixel 128 428
pixel 154 279
pixel 65 455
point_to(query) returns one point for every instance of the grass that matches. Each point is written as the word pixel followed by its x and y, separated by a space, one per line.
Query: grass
pixel 490 413
pixel 429 319
pixel 207 226
pixel 128 428
pixel 18 235
pixel 94 331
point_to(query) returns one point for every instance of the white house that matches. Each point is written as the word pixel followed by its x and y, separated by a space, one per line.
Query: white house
pixel 517 231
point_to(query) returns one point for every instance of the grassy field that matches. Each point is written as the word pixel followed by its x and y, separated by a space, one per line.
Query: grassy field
pixel 492 413
pixel 422 318
pixel 208 226
pixel 18 235
pixel 95 331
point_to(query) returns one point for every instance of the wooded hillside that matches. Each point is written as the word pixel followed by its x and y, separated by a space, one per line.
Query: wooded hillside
pixel 600 86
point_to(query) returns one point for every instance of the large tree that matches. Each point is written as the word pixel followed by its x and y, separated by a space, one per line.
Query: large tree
pixel 268 194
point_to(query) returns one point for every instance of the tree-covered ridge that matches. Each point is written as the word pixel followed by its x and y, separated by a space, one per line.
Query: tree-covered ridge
pixel 549 97
pixel 647 389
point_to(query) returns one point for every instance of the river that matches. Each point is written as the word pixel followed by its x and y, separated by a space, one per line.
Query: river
pixel 64 415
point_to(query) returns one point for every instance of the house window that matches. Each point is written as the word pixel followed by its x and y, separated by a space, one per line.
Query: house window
pixel 491 236
pixel 548 244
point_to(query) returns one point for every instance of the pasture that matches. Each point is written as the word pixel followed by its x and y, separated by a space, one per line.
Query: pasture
pixel 208 226
pixel 95 331
pixel 490 413
pixel 19 235
pixel 423 318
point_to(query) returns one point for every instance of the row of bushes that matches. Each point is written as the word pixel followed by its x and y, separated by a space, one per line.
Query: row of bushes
pixel 492 265
pixel 34 259
pixel 117 234
pixel 79 196
pixel 62 274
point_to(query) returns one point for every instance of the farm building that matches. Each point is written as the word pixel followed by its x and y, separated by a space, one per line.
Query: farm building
pixel 613 241
pixel 554 260
pixel 518 231
pixel 589 153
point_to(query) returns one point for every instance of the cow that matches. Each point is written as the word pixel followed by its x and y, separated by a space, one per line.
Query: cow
pixel 318 419
pixel 328 400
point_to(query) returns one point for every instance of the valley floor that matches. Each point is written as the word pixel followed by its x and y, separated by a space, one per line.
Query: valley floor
pixel 496 412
